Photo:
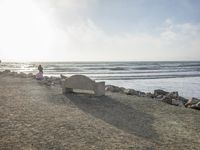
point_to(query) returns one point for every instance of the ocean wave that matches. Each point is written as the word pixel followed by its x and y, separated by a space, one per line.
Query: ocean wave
pixel 146 68
pixel 108 68
pixel 141 77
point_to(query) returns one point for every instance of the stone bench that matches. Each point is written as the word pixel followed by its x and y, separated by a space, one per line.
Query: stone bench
pixel 83 84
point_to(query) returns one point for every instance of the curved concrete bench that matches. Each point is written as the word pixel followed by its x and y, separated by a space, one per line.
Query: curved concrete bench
pixel 80 82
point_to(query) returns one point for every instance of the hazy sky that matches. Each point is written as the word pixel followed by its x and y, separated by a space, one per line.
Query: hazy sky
pixel 99 30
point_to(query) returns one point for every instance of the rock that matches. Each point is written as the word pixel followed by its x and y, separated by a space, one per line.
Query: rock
pixel 177 103
pixel 63 77
pixel 109 88
pixel 121 89
pixel 192 101
pixel 113 88
pixel 53 78
pixel 196 106
pixel 56 80
pixel 6 71
pixel 166 100
pixel 173 95
pixel 184 100
pixel 30 75
pixel 141 94
pixel 134 92
pixel 46 77
pixel 159 96
pixel 150 95
pixel 46 82
pixel 15 74
pixel 34 76
pixel 10 73
pixel 160 92
pixel 23 75
pixel 172 98
pixel 130 92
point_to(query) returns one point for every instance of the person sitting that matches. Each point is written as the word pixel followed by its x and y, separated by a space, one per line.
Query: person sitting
pixel 39 75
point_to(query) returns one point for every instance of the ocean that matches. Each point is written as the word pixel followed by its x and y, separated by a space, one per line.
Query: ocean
pixel 183 77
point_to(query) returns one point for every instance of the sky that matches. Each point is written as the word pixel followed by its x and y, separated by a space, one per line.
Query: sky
pixel 99 30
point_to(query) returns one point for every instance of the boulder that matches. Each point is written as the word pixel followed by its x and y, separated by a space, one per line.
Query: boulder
pixel 177 103
pixel 130 92
pixel 160 92
pixel 55 80
pixel 34 76
pixel 63 77
pixel 166 100
pixel 30 75
pixel 46 77
pixel 141 94
pixel 150 95
pixel 6 71
pixel 134 92
pixel 192 101
pixel 15 74
pixel 172 98
pixel 173 95
pixel 159 96
pixel 23 75
pixel 113 88
pixel 196 106
pixel 46 82
pixel 183 100
pixel 10 73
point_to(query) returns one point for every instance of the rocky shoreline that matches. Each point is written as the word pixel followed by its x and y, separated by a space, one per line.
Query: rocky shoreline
pixel 172 98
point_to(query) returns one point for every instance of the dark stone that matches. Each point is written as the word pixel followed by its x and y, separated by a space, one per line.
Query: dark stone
pixel 30 75
pixel 160 92
pixel 6 71
pixel 184 100
pixel 196 106
pixel 173 99
pixel 159 96
pixel 113 88
pixel 192 102
pixel 166 100
pixel 23 75
pixel 63 77
pixel 150 95
pixel 173 95
pixel 130 92
pixel 177 103
pixel 139 93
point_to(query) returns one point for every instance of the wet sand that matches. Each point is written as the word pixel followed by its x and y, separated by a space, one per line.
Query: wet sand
pixel 36 116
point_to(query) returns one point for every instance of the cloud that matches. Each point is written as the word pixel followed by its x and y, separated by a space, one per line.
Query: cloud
pixel 66 12
pixel 61 30
pixel 175 41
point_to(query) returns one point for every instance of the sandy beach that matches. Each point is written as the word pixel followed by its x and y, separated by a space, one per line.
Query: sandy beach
pixel 36 116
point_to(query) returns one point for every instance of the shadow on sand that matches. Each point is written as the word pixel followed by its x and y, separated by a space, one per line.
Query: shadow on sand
pixel 117 114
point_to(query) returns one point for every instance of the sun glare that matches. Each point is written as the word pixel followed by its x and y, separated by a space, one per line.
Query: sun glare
pixel 24 28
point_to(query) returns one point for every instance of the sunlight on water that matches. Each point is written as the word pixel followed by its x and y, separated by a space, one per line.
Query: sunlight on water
pixel 183 77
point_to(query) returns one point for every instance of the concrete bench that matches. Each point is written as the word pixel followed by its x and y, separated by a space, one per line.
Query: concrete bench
pixel 83 84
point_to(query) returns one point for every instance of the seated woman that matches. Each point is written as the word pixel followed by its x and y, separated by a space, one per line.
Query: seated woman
pixel 39 75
